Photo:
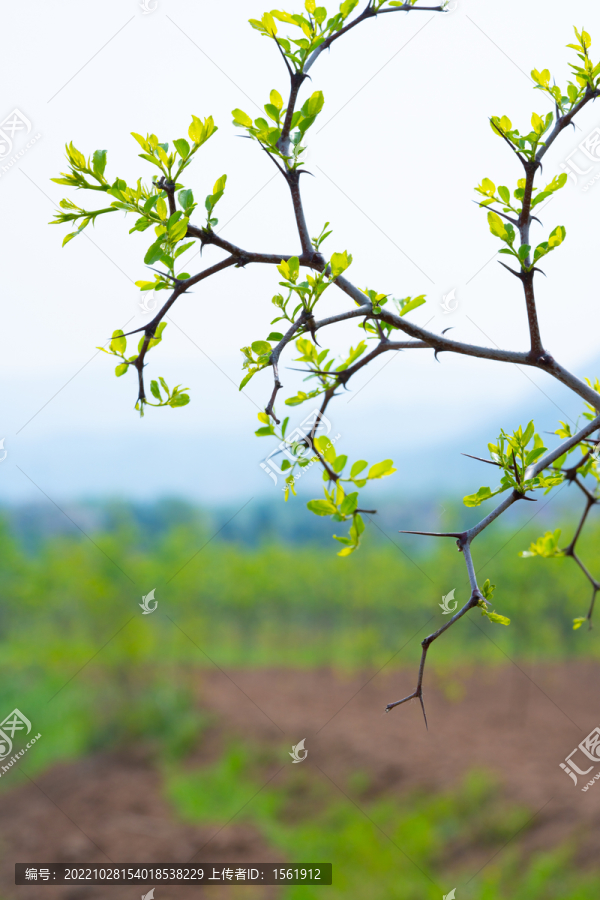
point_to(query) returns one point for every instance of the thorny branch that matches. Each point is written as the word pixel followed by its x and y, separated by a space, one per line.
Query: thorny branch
pixel 383 321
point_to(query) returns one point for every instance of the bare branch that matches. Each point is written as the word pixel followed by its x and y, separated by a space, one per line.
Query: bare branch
pixel 367 13
pixel 425 644
pixel 564 121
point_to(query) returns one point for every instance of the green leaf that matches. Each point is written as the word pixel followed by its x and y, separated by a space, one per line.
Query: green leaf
pixel 504 193
pixel 154 252
pixel 275 336
pixel 99 162
pixel 358 467
pixel 241 118
pixel 497 226
pixel 484 493
pixel 182 147
pixel 261 348
pixel 321 507
pixel 155 390
pixel 272 112
pixel 339 262
pixel 577 623
pixel 346 551
pixel 314 104
pixel 141 140
pixel 495 617
pixel 545 546
pixel 289 269
pixel 346 7
pixel 121 369
pixel 557 236
pixel 528 433
pixel 178 230
pixel 412 303
pixel 179 400
pixel 349 504
pixel 381 469
pixel 186 198
pixel 325 448
pixel 118 343
pixel 542 78
pixel 339 463
pixel 488 589
pixel 182 248
pixel 161 208
pixel 276 99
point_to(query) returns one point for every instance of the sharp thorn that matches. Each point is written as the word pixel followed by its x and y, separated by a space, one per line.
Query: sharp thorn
pixel 453 534
pixel 480 458
pixel 423 708
pixel 508 268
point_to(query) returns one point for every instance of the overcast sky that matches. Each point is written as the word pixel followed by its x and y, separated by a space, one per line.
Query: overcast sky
pixel 401 142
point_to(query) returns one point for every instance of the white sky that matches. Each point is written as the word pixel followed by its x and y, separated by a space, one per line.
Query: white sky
pixel 401 142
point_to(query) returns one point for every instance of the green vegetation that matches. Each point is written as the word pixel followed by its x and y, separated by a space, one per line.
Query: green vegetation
pixel 75 646
pixel 382 849
pixel 82 662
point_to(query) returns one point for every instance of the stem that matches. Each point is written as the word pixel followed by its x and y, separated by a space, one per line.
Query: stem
pixel 367 13
pixel 296 79
pixel 293 180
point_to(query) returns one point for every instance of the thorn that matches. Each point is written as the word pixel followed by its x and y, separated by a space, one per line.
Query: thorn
pixel 436 354
pixel 423 708
pixel 516 274
pixel 448 329
pixel 491 462
pixel 453 534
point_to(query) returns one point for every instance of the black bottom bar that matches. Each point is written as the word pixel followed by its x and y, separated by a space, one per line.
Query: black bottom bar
pixel 168 873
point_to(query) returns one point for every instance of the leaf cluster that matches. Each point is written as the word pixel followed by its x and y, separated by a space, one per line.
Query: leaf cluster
pixel 514 456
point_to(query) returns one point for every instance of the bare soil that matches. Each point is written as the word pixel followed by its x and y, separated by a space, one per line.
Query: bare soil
pixel 516 721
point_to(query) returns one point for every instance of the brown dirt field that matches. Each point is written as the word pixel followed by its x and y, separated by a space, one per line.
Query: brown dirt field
pixel 518 722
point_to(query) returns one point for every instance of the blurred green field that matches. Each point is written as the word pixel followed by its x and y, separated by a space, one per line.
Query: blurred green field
pixel 71 626
pixel 82 662
pixel 389 849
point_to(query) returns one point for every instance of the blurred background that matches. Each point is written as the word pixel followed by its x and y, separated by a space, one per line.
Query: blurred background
pixel 166 737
